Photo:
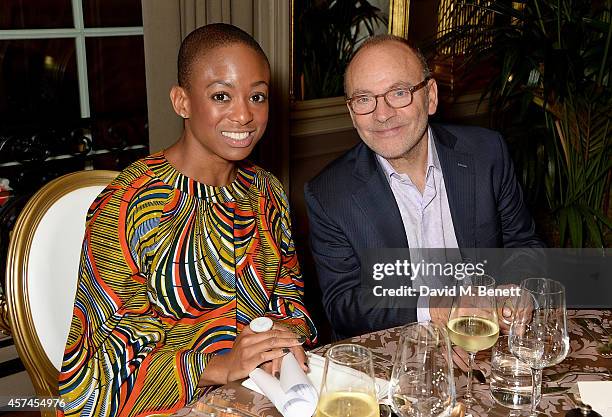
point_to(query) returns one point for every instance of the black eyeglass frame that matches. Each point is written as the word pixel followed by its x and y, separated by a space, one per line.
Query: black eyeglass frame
pixel 412 90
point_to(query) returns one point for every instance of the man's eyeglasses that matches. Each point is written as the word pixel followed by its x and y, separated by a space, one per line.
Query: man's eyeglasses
pixel 396 98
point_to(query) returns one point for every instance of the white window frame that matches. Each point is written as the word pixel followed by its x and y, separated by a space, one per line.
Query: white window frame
pixel 79 33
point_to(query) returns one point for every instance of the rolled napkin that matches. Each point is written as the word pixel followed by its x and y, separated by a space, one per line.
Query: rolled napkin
pixel 306 401
pixel 292 394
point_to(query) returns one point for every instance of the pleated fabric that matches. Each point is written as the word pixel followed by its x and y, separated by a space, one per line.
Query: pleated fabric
pixel 171 271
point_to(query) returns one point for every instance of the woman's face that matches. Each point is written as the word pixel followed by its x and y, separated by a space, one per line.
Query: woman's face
pixel 226 102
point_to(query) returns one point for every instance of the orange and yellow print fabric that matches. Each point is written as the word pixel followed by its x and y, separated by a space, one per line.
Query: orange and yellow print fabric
pixel 171 271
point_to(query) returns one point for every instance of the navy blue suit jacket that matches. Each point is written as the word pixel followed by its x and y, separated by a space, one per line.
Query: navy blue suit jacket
pixel 351 208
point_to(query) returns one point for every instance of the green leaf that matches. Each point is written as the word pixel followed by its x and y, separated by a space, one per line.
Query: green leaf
pixel 599 176
pixel 602 217
pixel 595 234
pixel 575 227
pixel 598 25
pixel 562 226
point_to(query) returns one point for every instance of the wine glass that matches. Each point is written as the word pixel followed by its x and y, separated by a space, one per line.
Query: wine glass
pixel 422 381
pixel 538 333
pixel 472 323
pixel 348 388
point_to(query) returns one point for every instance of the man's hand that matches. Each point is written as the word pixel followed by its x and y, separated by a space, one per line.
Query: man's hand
pixel 505 309
pixel 439 309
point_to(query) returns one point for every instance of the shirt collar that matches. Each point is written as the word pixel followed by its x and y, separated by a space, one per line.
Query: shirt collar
pixel 432 158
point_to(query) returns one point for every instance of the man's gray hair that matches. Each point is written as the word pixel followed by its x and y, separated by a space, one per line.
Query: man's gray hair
pixel 380 39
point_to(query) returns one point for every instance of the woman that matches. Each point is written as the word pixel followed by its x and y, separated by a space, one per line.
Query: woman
pixel 185 248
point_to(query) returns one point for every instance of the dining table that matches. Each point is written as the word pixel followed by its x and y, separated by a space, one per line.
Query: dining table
pixel 587 329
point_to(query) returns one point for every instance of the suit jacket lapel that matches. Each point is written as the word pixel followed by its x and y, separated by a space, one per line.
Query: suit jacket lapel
pixel 375 198
pixel 459 179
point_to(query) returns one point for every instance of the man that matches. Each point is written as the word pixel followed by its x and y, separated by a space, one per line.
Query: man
pixel 408 184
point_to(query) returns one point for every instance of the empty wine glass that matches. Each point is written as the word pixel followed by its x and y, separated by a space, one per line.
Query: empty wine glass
pixel 422 381
pixel 472 323
pixel 348 388
pixel 538 333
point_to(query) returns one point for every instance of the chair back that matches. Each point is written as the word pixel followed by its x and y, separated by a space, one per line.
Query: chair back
pixel 42 271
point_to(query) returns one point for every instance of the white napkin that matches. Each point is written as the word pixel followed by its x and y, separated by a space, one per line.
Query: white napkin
pixel 597 395
pixel 292 395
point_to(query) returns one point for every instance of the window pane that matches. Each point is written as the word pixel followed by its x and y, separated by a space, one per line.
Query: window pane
pixel 38 82
pixel 117 90
pixel 39 14
pixel 112 13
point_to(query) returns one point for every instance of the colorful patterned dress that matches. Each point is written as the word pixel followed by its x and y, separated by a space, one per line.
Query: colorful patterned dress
pixel 171 270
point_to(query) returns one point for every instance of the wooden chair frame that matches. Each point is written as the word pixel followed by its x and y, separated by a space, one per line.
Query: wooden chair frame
pixel 42 372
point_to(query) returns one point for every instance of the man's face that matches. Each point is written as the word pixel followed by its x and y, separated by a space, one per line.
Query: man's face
pixel 391 133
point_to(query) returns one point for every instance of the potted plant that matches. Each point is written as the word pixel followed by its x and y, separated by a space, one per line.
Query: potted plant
pixel 554 63
pixel 327 34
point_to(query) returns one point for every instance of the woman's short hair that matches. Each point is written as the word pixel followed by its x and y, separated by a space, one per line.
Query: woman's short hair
pixel 204 40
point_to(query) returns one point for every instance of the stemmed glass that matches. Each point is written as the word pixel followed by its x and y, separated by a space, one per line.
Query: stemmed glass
pixel 422 381
pixel 348 388
pixel 472 323
pixel 538 333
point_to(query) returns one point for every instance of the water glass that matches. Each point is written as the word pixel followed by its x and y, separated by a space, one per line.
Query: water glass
pixel 510 378
pixel 538 334
pixel 422 381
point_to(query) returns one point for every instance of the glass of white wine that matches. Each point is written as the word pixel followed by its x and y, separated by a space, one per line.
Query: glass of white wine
pixel 538 333
pixel 472 323
pixel 422 383
pixel 348 388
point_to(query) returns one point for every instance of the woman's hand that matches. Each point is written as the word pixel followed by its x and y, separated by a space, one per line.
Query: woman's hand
pixel 249 351
pixel 274 366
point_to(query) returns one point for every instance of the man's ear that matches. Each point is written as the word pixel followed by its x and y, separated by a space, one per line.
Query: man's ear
pixel 180 101
pixel 352 115
pixel 432 96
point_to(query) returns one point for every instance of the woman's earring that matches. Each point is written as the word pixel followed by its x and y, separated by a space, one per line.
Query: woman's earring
pixel 183 115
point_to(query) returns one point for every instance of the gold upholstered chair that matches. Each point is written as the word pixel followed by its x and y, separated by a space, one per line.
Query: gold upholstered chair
pixel 42 271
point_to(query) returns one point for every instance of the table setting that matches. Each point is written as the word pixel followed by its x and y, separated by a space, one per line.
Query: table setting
pixel 561 357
